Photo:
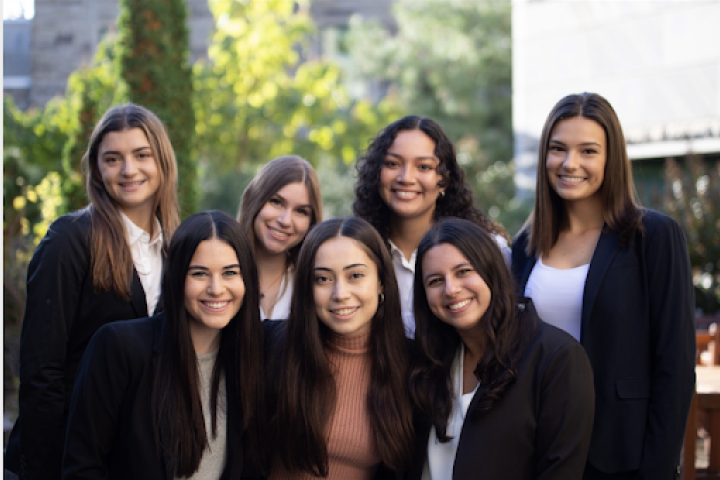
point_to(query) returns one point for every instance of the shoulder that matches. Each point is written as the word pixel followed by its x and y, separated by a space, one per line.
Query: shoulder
pixel 131 336
pixel 654 221
pixel 274 332
pixel 662 231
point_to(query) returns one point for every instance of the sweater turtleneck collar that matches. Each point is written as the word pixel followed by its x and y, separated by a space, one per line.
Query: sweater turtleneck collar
pixel 350 343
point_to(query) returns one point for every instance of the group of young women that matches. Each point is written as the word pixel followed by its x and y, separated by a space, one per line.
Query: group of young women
pixel 396 342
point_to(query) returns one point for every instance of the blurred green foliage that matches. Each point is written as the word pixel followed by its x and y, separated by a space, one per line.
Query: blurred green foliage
pixel 451 61
pixel 692 196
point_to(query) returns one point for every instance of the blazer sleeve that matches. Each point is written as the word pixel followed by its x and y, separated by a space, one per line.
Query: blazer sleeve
pixel 567 406
pixel 672 331
pixel 54 285
pixel 103 378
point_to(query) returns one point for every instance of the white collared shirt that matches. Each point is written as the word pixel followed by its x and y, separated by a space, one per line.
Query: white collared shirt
pixel 281 310
pixel 441 456
pixel 405 274
pixel 147 259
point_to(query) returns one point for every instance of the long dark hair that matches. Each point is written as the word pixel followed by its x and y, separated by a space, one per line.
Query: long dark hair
pixel 458 200
pixel 110 256
pixel 621 210
pixel 306 388
pixel 507 332
pixel 177 413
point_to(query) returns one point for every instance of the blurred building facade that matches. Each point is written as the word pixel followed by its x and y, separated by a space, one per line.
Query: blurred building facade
pixel 40 54
pixel 657 62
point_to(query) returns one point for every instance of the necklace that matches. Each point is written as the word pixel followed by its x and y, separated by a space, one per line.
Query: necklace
pixel 262 295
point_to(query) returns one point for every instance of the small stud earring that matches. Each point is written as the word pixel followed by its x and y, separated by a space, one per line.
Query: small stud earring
pixel 381 298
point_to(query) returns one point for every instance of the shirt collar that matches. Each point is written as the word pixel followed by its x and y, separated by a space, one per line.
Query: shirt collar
pixel 398 256
pixel 135 233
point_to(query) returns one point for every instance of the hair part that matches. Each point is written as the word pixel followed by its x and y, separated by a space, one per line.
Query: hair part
pixel 178 421
pixel 306 392
pixel 507 334
pixel 110 256
pixel 621 208
pixel 271 178
pixel 458 200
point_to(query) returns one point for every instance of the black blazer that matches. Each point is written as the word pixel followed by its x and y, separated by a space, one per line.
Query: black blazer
pixel 638 331
pixel 539 429
pixel 62 313
pixel 110 434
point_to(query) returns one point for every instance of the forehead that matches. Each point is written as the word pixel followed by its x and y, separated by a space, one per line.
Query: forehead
pixel 128 139
pixel 442 257
pixel 295 192
pixel 578 130
pixel 412 144
pixel 214 253
pixel 339 252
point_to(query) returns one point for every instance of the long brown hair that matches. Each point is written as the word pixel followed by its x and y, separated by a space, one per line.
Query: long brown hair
pixel 306 388
pixel 111 259
pixel 508 331
pixel 621 210
pixel 176 401
pixel 272 177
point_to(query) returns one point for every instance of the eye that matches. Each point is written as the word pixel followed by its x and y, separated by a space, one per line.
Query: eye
pixel 110 159
pixel 275 201
pixel 589 151
pixel 304 211
pixel 433 282
pixel 356 275
pixel 231 273
pixel 198 274
pixel 464 271
pixel 144 155
pixel 426 167
pixel 389 163
pixel 556 148
pixel 320 279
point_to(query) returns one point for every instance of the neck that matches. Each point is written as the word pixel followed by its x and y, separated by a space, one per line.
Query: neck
pixel 204 341
pixel 474 341
pixel 142 217
pixel 406 234
pixel 584 216
pixel 269 266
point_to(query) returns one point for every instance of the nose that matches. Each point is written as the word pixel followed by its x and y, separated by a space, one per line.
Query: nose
pixel 339 291
pixel 215 286
pixel 128 167
pixel 405 175
pixel 570 160
pixel 451 287
pixel 284 217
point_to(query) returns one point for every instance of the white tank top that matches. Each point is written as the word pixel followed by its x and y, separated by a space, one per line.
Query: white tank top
pixel 558 295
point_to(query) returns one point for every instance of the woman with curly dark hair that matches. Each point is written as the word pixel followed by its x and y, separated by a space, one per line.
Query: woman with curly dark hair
pixel 408 179
pixel 498 393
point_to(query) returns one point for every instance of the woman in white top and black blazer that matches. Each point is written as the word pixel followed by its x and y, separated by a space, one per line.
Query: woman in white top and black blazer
pixel 636 306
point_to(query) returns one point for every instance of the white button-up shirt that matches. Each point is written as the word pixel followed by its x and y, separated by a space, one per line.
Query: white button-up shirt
pixel 147 259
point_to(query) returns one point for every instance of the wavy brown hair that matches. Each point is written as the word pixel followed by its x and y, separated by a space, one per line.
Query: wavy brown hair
pixel 272 177
pixel 178 420
pixel 621 209
pixel 507 330
pixel 111 260
pixel 458 201
pixel 306 388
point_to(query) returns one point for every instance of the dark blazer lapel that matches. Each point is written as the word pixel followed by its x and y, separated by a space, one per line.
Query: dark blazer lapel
pixel 606 249
pixel 138 299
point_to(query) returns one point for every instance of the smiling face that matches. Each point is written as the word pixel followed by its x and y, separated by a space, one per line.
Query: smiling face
pixel 346 286
pixel 456 293
pixel 214 291
pixel 284 219
pixel 409 181
pixel 576 159
pixel 129 172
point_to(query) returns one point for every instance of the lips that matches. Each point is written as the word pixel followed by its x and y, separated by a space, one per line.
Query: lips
pixel 344 312
pixel 569 179
pixel 405 195
pixel 459 305
pixel 218 305
pixel 132 184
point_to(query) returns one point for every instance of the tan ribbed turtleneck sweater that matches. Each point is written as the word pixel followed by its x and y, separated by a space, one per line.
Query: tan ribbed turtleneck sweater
pixel 351 449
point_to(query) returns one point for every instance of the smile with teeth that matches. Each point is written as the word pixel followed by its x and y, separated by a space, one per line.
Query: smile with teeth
pixel 458 305
pixel 405 194
pixel 569 179
pixel 133 184
pixel 344 311
pixel 216 304
pixel 278 233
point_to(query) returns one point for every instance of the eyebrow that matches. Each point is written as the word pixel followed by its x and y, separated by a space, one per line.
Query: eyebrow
pixel 425 157
pixel 459 265
pixel 114 152
pixel 581 144
pixel 277 194
pixel 202 267
pixel 347 267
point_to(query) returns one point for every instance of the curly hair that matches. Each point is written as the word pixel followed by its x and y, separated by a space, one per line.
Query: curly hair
pixel 509 330
pixel 458 200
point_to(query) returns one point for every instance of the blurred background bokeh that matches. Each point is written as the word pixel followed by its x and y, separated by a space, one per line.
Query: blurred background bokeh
pixel 239 82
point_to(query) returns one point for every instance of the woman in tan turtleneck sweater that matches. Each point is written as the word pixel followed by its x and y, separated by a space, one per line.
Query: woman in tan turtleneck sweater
pixel 341 406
